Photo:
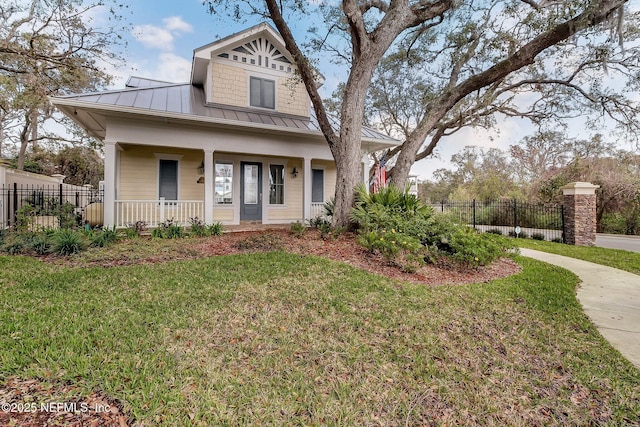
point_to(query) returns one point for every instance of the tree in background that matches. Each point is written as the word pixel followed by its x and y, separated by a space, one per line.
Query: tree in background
pixel 79 164
pixel 541 165
pixel 483 174
pixel 586 75
pixel 479 55
pixel 50 48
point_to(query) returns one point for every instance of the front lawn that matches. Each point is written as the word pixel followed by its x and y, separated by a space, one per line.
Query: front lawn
pixel 284 339
pixel 616 258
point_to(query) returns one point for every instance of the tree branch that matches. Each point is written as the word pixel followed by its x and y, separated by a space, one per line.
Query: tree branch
pixel 306 72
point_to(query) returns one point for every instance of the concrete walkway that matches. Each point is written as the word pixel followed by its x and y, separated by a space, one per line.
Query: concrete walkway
pixel 610 297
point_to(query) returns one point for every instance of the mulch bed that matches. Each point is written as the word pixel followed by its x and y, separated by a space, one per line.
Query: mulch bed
pixel 90 411
pixel 345 248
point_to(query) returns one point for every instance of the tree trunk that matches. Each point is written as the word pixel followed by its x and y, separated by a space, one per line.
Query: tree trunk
pixel 348 152
pixel 24 141
pixel 348 178
pixel 34 131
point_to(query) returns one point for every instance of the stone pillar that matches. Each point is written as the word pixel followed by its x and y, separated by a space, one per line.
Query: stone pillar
pixel 579 200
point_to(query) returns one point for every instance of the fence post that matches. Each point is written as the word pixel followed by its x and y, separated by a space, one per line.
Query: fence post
pixel 515 215
pixel 161 210
pixel 474 213
pixel 564 239
pixel 441 205
pixel 15 206
pixel 60 205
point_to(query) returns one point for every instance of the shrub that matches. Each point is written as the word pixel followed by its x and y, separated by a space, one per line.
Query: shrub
pixel 175 232
pixel 297 229
pixel 329 207
pixel 129 233
pixel 397 225
pixel 67 242
pixel 557 240
pixel 495 231
pixel 538 236
pixel 390 208
pixel 522 235
pixel 104 237
pixel 198 227
pixel 135 229
pixel 25 217
pixel 168 230
pixel 464 244
pixel 41 244
pixel 399 249
pixel 215 229
pixel 66 215
pixel 15 245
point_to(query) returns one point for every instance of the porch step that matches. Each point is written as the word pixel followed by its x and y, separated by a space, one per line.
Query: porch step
pixel 255 226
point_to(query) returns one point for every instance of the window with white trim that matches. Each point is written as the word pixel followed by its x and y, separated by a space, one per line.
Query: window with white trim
pixel 168 179
pixel 276 184
pixel 317 186
pixel 262 93
pixel 224 183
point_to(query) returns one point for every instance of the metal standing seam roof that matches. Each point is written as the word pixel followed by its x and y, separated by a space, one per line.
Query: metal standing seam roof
pixel 190 100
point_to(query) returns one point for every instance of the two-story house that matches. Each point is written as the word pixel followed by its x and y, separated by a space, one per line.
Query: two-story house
pixel 239 142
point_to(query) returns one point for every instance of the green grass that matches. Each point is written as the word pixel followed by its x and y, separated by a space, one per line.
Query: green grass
pixel 616 258
pixel 280 339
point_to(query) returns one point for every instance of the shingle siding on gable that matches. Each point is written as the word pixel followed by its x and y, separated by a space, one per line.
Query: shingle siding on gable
pixel 292 97
pixel 230 86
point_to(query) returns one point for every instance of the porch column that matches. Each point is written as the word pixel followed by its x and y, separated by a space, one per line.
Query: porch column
pixel 365 170
pixel 306 173
pixel 209 185
pixel 109 200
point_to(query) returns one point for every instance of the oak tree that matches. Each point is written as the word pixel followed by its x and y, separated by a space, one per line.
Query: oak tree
pixel 48 48
pixel 476 47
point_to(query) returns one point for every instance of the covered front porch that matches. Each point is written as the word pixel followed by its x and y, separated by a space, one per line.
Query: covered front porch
pixel 155 184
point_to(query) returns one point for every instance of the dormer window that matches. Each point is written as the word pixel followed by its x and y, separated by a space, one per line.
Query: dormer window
pixel 262 93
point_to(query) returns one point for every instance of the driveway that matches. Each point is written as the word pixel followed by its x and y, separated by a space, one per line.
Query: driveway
pixel 615 241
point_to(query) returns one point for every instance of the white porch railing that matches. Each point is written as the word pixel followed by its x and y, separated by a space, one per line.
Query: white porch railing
pixel 155 212
pixel 317 209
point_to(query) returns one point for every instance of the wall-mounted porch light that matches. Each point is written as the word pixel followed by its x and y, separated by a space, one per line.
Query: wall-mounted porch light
pixel 294 172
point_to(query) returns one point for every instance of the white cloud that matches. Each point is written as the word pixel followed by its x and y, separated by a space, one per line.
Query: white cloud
pixel 177 24
pixel 162 38
pixel 154 37
pixel 173 68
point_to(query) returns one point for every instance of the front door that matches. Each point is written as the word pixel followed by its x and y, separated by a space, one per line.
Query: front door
pixel 251 191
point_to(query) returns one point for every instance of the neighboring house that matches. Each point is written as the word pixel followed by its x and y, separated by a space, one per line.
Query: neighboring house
pixel 239 142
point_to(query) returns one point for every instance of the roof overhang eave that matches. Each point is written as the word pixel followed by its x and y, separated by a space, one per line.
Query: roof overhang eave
pixel 373 143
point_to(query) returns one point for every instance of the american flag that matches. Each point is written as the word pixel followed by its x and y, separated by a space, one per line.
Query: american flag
pixel 379 180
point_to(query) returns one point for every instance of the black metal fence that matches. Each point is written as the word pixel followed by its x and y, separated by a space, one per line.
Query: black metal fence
pixel 510 217
pixel 30 208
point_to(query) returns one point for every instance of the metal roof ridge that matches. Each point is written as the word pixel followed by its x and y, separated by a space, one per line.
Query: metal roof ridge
pixel 147 79
pixel 126 89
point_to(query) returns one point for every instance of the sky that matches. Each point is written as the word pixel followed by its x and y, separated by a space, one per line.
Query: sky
pixel 164 33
